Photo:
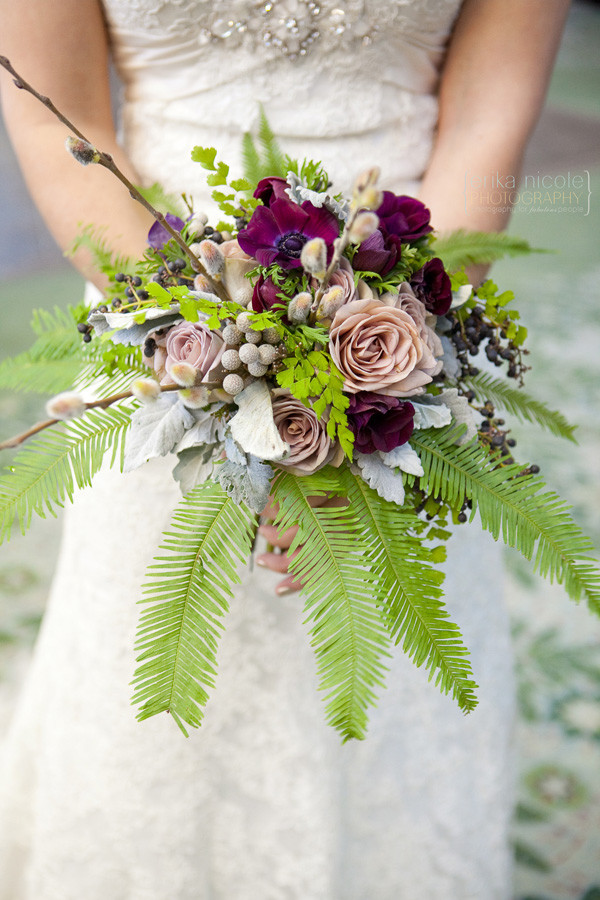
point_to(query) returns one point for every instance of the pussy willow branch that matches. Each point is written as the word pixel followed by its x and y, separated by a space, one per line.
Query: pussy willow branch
pixel 105 160
pixel 93 404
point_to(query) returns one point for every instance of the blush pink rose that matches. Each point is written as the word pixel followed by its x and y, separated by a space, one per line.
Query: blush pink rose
pixel 194 343
pixel 154 354
pixel 379 348
pixel 410 303
pixel 310 446
pixel 344 278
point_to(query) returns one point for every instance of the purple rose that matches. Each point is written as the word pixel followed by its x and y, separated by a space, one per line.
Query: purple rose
pixel 403 218
pixel 264 295
pixel 277 234
pixel 379 422
pixel 271 188
pixel 158 235
pixel 431 285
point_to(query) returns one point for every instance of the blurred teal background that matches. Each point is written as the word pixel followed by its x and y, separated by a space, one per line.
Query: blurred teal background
pixel 557 645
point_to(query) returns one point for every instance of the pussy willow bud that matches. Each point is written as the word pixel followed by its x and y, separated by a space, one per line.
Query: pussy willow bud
pixel 365 224
pixel 371 199
pixel 314 257
pixel 299 308
pixel 212 258
pixel 146 390
pixel 366 179
pixel 67 405
pixel 194 398
pixel 330 303
pixel 183 373
pixel 197 223
pixel 203 284
pixel 84 152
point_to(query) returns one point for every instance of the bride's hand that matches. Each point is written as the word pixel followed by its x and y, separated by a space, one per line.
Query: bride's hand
pixel 281 541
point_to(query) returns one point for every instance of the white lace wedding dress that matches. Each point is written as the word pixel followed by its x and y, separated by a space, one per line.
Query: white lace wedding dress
pixel 263 803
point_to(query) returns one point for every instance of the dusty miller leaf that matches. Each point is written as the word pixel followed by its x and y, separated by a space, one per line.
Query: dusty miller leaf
pixel 387 483
pixel 405 458
pixel 195 466
pixel 249 484
pixel 155 430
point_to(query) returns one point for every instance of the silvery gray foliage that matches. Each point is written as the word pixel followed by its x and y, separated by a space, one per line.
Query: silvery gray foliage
pixel 387 483
pixel 234 452
pixel 128 331
pixel 195 466
pixel 206 429
pixel 249 483
pixel 405 458
pixel 253 426
pixel 299 193
pixel 462 412
pixel 156 428
pixel 450 363
pixel 430 412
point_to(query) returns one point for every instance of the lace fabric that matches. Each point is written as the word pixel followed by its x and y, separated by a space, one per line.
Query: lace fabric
pixel 263 803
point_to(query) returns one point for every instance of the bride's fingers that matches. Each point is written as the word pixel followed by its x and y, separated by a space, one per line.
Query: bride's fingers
pixel 278 539
pixel 288 586
pixel 276 562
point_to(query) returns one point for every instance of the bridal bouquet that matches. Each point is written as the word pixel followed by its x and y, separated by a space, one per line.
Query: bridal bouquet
pixel 313 355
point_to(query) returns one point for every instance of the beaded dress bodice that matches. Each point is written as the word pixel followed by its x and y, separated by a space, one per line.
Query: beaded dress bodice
pixel 347 83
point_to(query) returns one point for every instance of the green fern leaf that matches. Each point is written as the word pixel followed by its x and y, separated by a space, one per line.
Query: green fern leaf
pixel 253 169
pixel 48 469
pixel 411 588
pixel 188 590
pixel 348 632
pixel 511 506
pixel 273 156
pixel 25 375
pixel 518 403
pixel 93 239
pixel 467 248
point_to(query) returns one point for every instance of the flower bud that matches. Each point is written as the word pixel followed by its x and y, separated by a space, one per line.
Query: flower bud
pixel 248 353
pixel 232 335
pixel 330 303
pixel 84 152
pixel 314 257
pixel 243 321
pixel 253 337
pixel 371 199
pixel 67 405
pixel 233 384
pixel 267 354
pixel 257 369
pixel 366 180
pixel 146 390
pixel 211 257
pixel 365 224
pixel 203 284
pixel 299 308
pixel 271 335
pixel 183 373
pixel 231 360
pixel 195 397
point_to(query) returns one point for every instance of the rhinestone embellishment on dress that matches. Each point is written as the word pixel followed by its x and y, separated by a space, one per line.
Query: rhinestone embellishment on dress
pixel 290 27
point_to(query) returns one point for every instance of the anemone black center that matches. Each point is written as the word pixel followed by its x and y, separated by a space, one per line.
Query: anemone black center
pixel 292 243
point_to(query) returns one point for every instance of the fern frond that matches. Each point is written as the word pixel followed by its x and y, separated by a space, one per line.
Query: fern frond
pixel 515 507
pixel 188 593
pixel 157 197
pixel 273 155
pixel 57 335
pixel 253 169
pixel 467 248
pixel 25 375
pixel 518 403
pixel 93 238
pixel 48 469
pixel 348 632
pixel 411 588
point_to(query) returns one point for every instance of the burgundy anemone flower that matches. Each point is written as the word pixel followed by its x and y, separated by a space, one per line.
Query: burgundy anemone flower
pixel 158 235
pixel 376 254
pixel 432 286
pixel 271 188
pixel 278 233
pixel 379 422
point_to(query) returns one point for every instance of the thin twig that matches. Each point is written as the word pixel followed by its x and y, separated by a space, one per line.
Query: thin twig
pixel 105 160
pixel 92 404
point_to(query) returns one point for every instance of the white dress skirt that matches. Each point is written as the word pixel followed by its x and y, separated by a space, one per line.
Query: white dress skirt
pixel 263 802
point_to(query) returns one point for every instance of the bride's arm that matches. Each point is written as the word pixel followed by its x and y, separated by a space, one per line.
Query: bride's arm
pixel 491 92
pixel 61 48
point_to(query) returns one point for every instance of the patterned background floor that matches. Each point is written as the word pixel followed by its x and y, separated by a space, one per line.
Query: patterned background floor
pixel 557 646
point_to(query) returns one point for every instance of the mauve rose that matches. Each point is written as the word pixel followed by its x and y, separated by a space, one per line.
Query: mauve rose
pixel 379 422
pixel 342 277
pixel 196 344
pixel 406 300
pixel 310 446
pixel 378 348
pixel 432 285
